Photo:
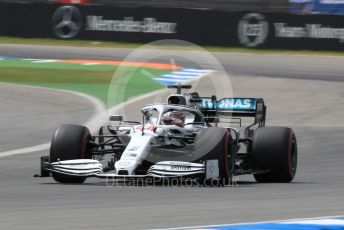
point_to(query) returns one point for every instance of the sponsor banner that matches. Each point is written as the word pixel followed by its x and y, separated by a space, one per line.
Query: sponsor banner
pixel 319 32
pixel 229 104
pixel 128 24
pixel 203 27
pixel 329 7
pixel 332 1
pixel 317 6
pixel 288 31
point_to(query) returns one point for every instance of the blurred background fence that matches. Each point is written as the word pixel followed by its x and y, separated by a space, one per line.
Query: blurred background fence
pixel 228 5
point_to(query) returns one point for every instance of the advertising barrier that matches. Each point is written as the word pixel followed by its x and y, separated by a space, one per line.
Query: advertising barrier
pixel 317 6
pixel 203 27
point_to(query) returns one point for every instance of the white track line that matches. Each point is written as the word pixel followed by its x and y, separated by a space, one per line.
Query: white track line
pixel 29 59
pixel 98 105
pixel 247 223
pixel 100 117
pixel 45 61
pixel 31 149
pixel 322 222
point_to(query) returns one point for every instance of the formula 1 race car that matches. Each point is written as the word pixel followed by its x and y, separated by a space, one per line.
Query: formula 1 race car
pixel 188 137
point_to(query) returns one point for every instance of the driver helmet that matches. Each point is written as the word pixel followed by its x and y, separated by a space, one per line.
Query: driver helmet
pixel 174 118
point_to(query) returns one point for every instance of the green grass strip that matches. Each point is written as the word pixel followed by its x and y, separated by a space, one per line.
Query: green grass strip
pixel 130 81
pixel 54 65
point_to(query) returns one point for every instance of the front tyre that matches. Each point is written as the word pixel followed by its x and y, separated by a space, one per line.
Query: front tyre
pixel 274 149
pixel 69 142
pixel 216 143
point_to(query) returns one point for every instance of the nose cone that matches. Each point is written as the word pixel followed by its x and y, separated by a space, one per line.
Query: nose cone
pixel 125 165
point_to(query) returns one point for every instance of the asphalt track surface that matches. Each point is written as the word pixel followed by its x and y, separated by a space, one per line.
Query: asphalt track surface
pixel 305 94
pixel 25 124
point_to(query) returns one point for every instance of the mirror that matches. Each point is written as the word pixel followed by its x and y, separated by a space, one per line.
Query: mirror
pixel 211 119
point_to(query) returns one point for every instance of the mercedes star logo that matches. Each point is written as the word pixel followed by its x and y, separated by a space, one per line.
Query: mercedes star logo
pixel 67 21
pixel 253 30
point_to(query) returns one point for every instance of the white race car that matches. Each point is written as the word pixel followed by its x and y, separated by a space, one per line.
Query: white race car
pixel 184 138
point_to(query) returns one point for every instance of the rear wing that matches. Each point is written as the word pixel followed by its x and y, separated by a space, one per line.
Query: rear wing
pixel 235 107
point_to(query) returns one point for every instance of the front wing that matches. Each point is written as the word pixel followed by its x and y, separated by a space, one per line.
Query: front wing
pixel 164 169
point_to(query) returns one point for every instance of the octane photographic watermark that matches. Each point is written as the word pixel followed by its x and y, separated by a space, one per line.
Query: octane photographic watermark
pixel 171 182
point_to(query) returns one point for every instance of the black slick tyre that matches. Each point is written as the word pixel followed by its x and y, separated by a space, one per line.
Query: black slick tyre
pixel 274 149
pixel 68 143
pixel 216 143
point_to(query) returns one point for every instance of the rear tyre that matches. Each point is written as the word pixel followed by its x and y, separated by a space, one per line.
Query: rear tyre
pixel 274 149
pixel 69 142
